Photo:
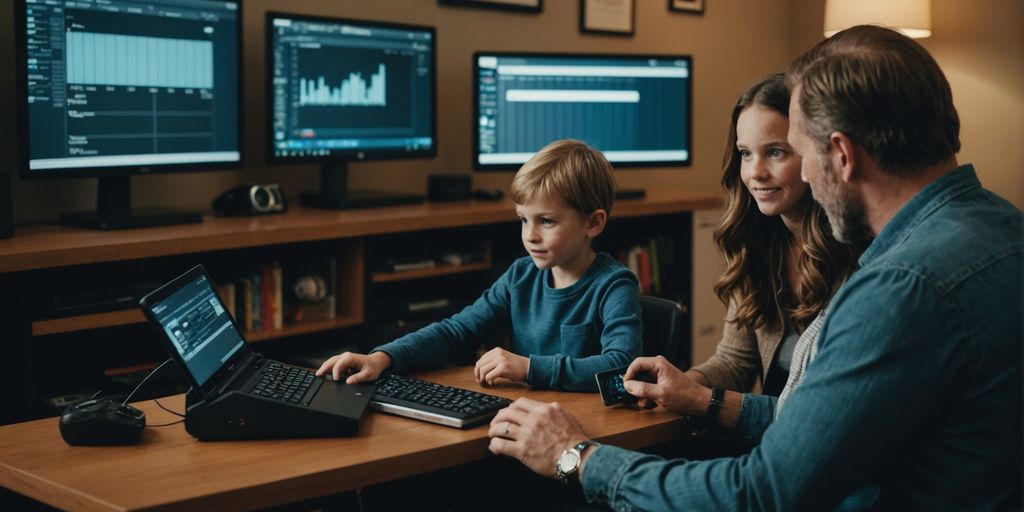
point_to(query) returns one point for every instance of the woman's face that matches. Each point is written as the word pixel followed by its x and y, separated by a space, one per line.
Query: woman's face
pixel 769 167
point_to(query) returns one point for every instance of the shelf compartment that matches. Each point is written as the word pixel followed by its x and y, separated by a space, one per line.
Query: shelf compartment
pixel 439 270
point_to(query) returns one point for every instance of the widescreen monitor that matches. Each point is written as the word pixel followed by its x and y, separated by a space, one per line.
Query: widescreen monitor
pixel 635 109
pixel 111 88
pixel 345 90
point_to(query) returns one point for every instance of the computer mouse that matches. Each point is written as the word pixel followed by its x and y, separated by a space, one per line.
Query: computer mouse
pixel 101 422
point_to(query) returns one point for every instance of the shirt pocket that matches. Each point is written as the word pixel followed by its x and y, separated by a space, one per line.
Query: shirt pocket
pixel 580 340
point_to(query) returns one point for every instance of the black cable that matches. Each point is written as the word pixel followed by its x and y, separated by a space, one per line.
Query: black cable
pixel 130 395
pixel 167 424
pixel 168 410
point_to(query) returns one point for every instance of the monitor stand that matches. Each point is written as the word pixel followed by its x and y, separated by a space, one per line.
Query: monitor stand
pixel 335 195
pixel 114 210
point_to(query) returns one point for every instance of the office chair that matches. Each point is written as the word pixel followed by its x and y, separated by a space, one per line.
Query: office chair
pixel 663 325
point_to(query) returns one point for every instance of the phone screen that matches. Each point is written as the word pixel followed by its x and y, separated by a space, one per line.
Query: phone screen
pixel 612 389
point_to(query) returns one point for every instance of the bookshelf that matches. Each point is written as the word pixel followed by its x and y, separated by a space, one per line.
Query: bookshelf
pixel 40 259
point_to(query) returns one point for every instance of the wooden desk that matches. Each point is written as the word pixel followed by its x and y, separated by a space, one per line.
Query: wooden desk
pixel 171 470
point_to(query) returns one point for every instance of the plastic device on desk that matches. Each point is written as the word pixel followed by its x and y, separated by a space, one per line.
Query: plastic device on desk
pixel 436 403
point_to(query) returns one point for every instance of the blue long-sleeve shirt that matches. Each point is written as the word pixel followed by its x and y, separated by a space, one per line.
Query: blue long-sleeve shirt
pixel 568 333
pixel 916 387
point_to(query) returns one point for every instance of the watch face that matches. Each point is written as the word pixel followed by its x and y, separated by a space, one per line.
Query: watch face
pixel 568 461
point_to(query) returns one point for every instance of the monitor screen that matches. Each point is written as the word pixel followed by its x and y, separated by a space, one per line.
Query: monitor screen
pixel 349 90
pixel 124 86
pixel 635 109
pixel 199 328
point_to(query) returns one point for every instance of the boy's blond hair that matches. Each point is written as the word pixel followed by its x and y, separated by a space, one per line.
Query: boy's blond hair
pixel 568 170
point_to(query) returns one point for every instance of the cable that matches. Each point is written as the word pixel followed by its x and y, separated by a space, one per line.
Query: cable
pixel 168 410
pixel 166 424
pixel 130 395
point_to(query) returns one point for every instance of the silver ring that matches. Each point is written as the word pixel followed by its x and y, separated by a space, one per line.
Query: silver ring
pixel 508 428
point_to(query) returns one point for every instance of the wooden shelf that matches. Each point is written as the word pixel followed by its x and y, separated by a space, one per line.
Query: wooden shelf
pixel 83 322
pixel 134 316
pixel 48 246
pixel 440 270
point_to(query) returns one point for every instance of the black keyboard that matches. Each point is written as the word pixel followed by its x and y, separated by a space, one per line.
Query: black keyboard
pixel 285 383
pixel 436 403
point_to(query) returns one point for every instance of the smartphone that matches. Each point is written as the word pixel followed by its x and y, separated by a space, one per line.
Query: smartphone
pixel 612 389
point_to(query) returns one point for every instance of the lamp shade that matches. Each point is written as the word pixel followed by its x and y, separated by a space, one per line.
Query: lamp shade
pixel 912 17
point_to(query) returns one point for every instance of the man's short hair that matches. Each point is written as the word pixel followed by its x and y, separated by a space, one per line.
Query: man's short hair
pixel 568 170
pixel 883 90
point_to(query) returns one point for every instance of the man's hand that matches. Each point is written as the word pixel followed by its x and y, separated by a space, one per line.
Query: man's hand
pixel 671 388
pixel 500 363
pixel 366 367
pixel 534 433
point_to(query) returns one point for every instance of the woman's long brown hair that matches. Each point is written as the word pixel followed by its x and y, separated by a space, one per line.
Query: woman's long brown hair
pixel 755 245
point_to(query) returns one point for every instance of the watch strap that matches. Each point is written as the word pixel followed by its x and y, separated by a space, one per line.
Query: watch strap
pixel 716 403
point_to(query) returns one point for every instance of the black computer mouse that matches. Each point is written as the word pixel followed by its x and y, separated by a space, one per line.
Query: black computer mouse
pixel 101 422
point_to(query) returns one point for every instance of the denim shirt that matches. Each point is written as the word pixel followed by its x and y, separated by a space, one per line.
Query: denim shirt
pixel 568 333
pixel 916 387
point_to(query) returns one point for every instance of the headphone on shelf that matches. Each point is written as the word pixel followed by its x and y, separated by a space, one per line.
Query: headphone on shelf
pixel 251 199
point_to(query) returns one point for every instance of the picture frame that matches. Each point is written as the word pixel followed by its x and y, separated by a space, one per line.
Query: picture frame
pixel 687 6
pixel 609 17
pixel 530 6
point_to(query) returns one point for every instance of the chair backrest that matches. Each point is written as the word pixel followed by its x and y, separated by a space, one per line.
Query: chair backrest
pixel 663 324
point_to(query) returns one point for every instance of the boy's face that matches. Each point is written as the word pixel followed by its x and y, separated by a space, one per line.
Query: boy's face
pixel 554 234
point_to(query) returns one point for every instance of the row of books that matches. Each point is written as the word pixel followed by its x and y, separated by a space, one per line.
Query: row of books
pixel 651 261
pixel 270 296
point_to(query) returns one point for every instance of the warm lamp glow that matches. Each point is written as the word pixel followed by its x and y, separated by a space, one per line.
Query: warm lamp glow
pixel 912 17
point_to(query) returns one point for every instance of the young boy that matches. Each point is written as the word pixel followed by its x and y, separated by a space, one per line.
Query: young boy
pixel 572 312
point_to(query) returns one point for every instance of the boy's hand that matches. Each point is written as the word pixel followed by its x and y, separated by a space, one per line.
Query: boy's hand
pixel 366 367
pixel 671 388
pixel 500 363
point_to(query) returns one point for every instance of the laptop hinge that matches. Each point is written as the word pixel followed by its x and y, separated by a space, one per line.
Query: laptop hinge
pixel 249 361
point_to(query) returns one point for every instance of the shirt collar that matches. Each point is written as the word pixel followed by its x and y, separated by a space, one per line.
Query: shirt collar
pixel 932 197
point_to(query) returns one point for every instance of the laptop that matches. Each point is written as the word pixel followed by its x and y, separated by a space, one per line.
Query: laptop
pixel 236 392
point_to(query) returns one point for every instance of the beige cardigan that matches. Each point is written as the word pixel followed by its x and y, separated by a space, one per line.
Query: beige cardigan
pixel 741 356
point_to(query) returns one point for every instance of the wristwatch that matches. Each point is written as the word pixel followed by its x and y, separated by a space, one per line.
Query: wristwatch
pixel 567 467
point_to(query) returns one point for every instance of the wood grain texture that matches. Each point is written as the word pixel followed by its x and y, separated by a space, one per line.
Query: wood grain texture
pixel 40 247
pixel 171 470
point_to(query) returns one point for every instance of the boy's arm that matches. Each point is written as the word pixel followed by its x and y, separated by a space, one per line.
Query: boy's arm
pixel 453 338
pixel 620 344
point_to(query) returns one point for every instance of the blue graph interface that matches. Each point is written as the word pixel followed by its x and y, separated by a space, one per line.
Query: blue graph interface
pixel 199 327
pixel 352 89
pixel 126 83
pixel 636 110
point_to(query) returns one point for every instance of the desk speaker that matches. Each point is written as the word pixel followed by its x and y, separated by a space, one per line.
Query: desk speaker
pixel 6 215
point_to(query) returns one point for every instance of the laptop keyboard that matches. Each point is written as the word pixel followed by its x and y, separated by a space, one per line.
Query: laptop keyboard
pixel 285 383
pixel 460 404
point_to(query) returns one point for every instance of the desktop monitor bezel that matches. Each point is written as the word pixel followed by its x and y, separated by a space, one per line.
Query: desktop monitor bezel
pixel 21 98
pixel 354 155
pixel 475 113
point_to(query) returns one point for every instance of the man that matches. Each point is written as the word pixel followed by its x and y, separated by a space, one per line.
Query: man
pixel 916 386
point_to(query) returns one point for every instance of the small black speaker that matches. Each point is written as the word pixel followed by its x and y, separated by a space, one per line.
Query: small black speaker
pixel 6 215
pixel 449 187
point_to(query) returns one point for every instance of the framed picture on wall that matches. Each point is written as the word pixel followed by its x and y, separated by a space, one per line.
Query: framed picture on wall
pixel 691 6
pixel 615 17
pixel 508 5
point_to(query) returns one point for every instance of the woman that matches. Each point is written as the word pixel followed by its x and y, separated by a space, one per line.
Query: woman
pixel 782 262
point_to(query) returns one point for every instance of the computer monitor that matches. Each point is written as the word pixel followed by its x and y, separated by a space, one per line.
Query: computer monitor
pixel 112 88
pixel 635 109
pixel 343 90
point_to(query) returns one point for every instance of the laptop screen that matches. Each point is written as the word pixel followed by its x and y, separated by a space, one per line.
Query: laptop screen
pixel 198 326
